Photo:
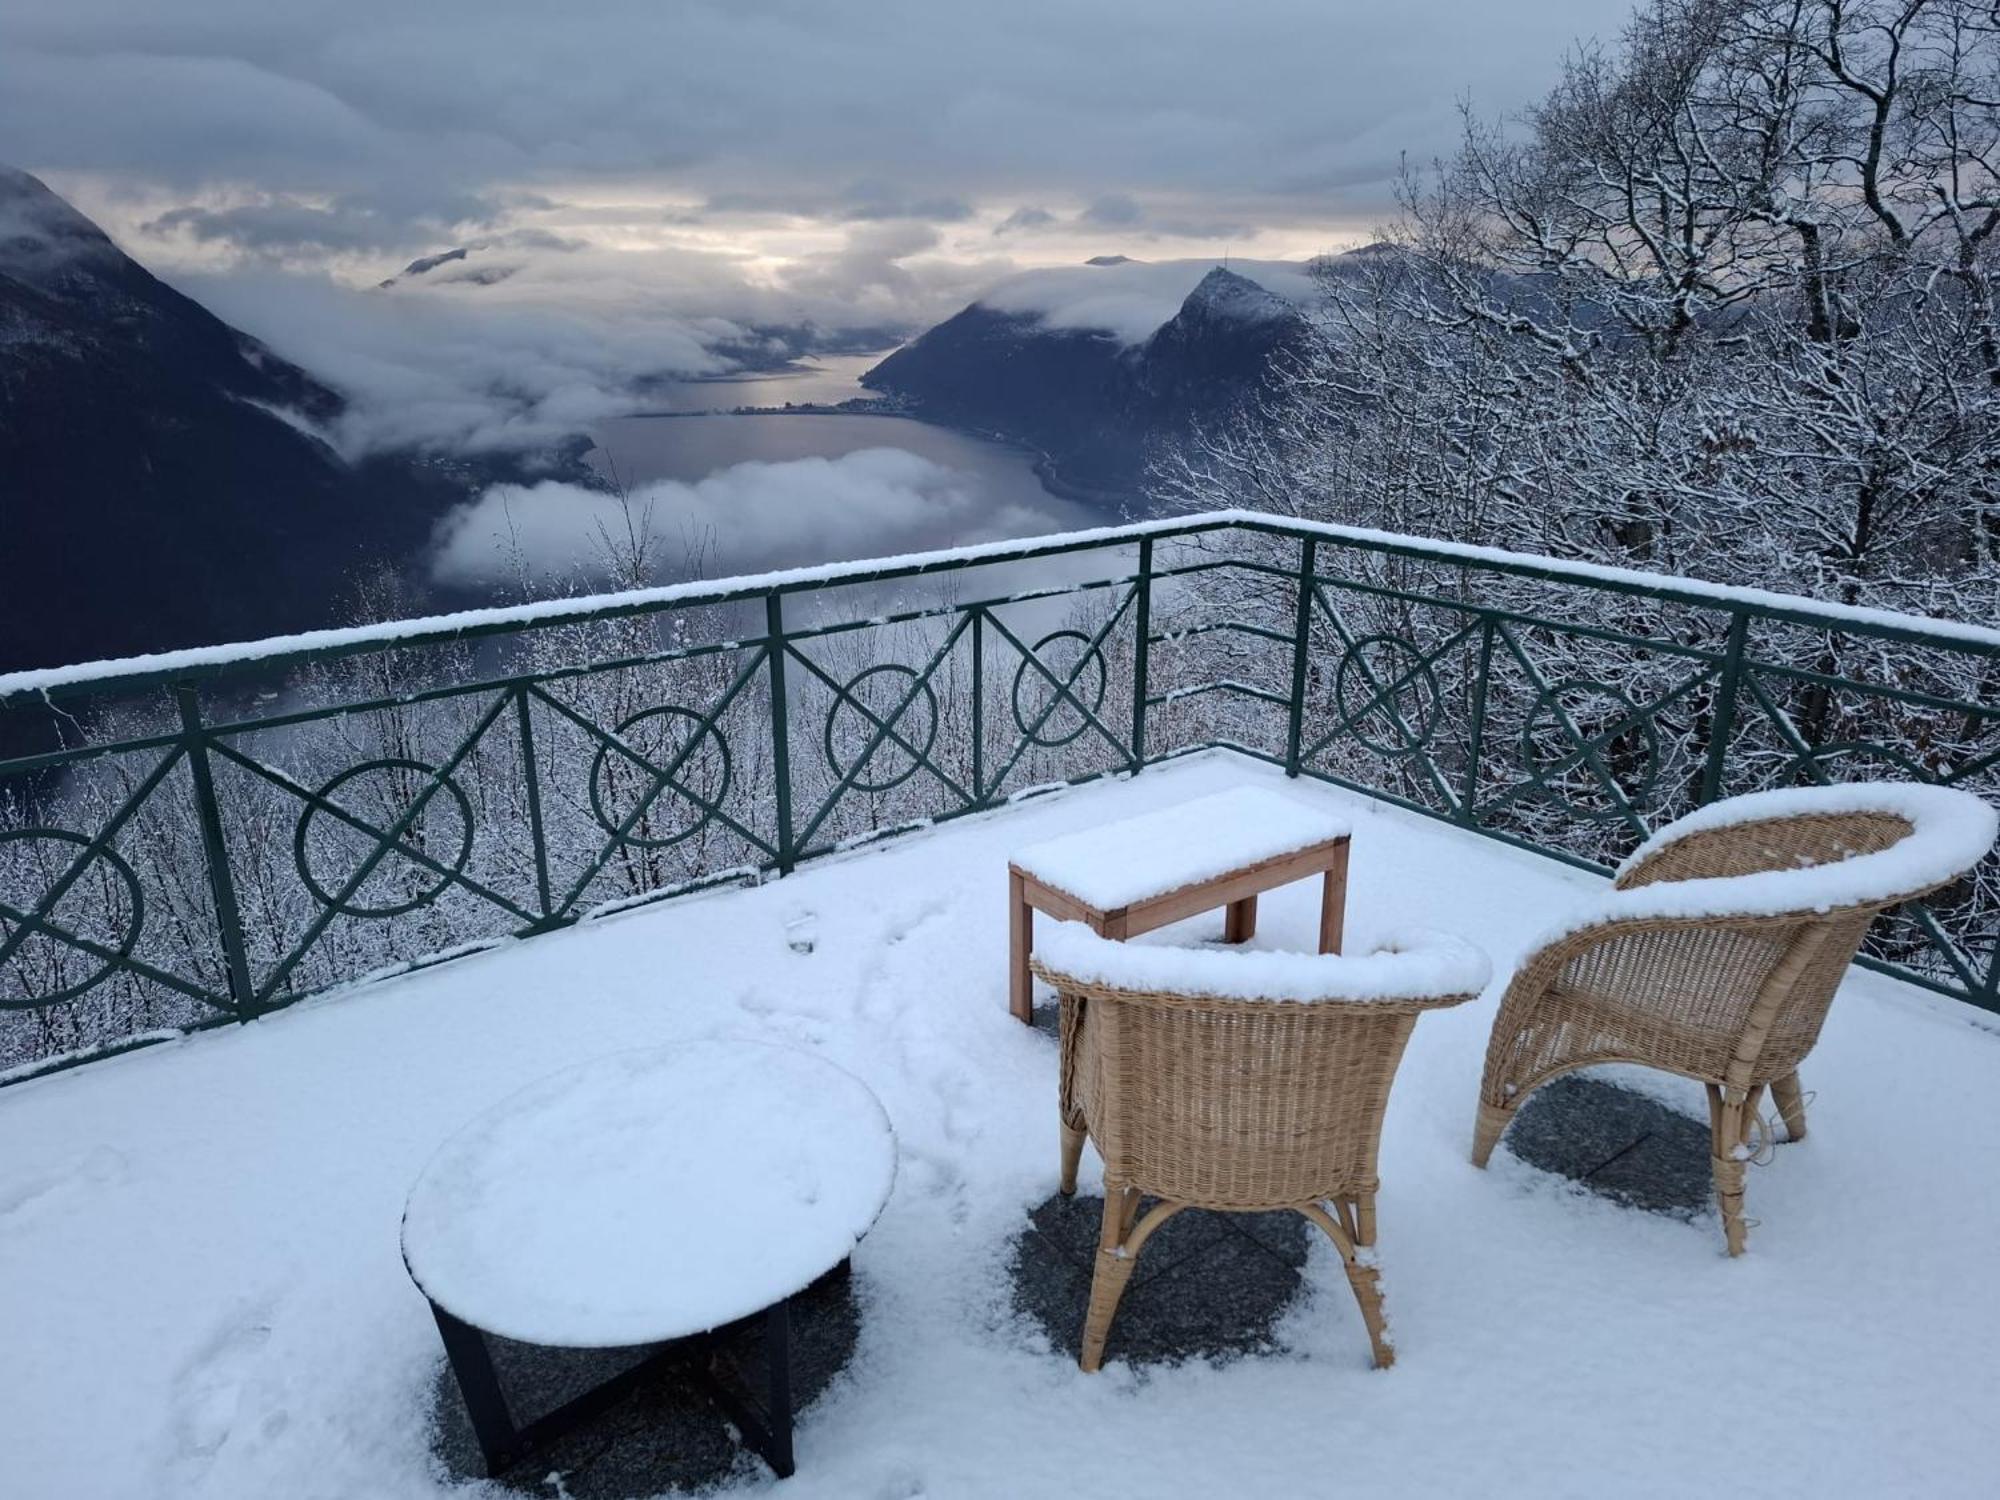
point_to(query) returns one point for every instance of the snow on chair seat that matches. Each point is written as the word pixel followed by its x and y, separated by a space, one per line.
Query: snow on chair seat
pixel 1238 1082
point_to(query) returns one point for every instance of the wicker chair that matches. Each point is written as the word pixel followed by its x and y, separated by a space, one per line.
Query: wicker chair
pixel 1236 1081
pixel 1719 949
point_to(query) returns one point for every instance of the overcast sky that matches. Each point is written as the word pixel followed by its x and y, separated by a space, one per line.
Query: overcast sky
pixel 654 163
pixel 365 132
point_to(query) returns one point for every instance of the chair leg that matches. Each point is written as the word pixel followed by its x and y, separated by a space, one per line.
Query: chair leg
pixel 1486 1134
pixel 1791 1102
pixel 1751 1105
pixel 1072 1153
pixel 1119 1244
pixel 1725 1117
pixel 1120 1204
pixel 1365 1281
pixel 1107 1287
pixel 1364 1234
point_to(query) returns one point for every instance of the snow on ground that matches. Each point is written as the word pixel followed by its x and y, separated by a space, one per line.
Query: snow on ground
pixel 201 1293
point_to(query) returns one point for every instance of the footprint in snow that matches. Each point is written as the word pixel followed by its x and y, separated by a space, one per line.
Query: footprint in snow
pixel 209 1396
pixel 103 1166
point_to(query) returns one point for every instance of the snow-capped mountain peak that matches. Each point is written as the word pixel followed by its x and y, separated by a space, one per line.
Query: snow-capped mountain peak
pixel 1222 293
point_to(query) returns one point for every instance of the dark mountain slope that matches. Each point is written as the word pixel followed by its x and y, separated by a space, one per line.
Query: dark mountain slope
pixel 160 480
pixel 1216 352
pixel 1094 406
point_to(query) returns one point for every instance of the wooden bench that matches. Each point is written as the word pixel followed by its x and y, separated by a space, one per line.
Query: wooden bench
pixel 1130 877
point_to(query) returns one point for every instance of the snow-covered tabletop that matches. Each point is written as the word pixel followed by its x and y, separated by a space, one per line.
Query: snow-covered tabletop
pixel 1121 864
pixel 650 1195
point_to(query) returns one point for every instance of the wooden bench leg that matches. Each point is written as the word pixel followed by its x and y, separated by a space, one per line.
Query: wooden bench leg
pixel 1020 943
pixel 1333 903
pixel 1239 920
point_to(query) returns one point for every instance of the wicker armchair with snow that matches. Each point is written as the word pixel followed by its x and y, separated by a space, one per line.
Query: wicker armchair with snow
pixel 1718 949
pixel 1237 1081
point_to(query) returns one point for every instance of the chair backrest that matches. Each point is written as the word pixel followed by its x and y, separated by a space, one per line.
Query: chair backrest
pixel 1727 933
pixel 1243 1080
pixel 1796 841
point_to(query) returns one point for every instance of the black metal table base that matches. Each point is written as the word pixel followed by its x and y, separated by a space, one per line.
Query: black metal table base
pixel 765 1425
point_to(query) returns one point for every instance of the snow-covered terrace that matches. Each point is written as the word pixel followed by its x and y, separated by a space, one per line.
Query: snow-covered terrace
pixel 201 1292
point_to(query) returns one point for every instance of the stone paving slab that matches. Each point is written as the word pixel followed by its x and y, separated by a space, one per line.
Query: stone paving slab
pixel 1208 1285
pixel 665 1434
pixel 1617 1142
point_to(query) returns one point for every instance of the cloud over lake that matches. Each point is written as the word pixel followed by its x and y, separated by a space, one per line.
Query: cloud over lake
pixel 870 501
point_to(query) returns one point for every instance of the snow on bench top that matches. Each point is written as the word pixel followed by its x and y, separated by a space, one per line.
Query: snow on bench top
pixel 1951 831
pixel 1418 963
pixel 650 1195
pixel 1119 864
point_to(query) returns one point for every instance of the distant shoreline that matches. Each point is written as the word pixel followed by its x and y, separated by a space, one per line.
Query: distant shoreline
pixel 853 406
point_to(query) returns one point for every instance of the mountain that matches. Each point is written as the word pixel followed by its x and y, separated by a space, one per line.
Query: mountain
pixel 1061 361
pixel 163 480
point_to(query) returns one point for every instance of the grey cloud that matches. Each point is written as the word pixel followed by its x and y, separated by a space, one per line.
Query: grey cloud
pixel 880 200
pixel 286 227
pixel 1024 217
pixel 652 145
pixel 533 239
pixel 860 202
pixel 948 104
pixel 1117 210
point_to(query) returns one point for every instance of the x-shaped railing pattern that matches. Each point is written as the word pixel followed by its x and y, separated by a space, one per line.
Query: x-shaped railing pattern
pixel 1475 709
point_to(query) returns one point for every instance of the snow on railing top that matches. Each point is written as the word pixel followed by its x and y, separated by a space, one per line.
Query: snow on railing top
pixel 135 671
pixel 459 624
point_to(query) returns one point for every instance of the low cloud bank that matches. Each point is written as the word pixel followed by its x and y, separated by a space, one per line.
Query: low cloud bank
pixel 744 518
pixel 514 346
pixel 1131 299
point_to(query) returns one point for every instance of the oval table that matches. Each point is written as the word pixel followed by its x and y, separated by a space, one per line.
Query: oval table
pixel 658 1197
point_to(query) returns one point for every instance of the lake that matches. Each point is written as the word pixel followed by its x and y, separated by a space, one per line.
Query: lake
pixel 784 489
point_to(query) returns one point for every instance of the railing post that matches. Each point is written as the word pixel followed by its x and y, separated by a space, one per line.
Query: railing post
pixel 532 776
pixel 1722 722
pixel 1301 648
pixel 1469 797
pixel 781 753
pixel 978 706
pixel 1140 655
pixel 221 885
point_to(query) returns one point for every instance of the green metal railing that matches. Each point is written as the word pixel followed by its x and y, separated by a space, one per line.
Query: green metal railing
pixel 207 836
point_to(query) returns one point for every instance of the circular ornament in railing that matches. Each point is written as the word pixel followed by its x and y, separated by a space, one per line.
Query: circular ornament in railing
pixel 1388 695
pixel 618 784
pixel 380 793
pixel 1554 761
pixel 849 727
pixel 105 893
pixel 1063 652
